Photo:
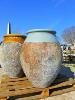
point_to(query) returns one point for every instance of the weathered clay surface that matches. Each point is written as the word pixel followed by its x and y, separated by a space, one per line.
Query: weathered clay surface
pixel 41 62
pixel 10 60
pixel 0 53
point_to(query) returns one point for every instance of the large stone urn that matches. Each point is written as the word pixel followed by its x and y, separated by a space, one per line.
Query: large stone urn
pixel 41 57
pixel 0 54
pixel 10 51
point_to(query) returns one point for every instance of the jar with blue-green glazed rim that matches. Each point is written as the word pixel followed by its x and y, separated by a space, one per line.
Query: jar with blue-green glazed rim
pixel 41 57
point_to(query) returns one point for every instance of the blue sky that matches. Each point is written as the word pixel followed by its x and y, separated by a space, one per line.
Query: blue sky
pixel 31 14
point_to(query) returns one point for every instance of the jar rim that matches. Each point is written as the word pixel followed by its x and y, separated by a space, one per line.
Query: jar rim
pixel 14 35
pixel 42 30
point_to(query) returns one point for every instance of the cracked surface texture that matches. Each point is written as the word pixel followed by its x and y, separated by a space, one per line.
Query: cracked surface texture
pixel 10 60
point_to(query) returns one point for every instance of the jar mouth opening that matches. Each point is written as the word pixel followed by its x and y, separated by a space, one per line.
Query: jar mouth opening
pixel 42 30
pixel 14 35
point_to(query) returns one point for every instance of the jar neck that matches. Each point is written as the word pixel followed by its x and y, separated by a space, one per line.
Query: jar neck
pixel 14 38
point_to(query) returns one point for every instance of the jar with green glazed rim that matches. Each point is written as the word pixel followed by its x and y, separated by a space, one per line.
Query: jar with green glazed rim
pixel 41 57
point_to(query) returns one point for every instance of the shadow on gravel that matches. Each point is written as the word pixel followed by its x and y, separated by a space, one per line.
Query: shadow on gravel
pixel 66 71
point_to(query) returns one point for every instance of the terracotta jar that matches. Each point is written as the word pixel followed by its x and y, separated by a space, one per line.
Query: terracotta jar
pixel 10 60
pixel 0 55
pixel 41 57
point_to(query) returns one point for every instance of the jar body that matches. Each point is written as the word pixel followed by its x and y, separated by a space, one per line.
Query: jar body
pixel 1 55
pixel 41 58
pixel 10 61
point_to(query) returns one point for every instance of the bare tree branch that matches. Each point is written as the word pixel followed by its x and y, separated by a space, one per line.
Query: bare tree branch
pixel 69 35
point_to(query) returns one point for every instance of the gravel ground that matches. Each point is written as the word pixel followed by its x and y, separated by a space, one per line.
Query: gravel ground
pixel 66 96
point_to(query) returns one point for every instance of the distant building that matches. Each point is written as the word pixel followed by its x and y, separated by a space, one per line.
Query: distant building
pixel 68 52
pixel 66 46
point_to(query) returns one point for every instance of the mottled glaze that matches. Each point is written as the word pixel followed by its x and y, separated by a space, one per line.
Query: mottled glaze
pixel 41 58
